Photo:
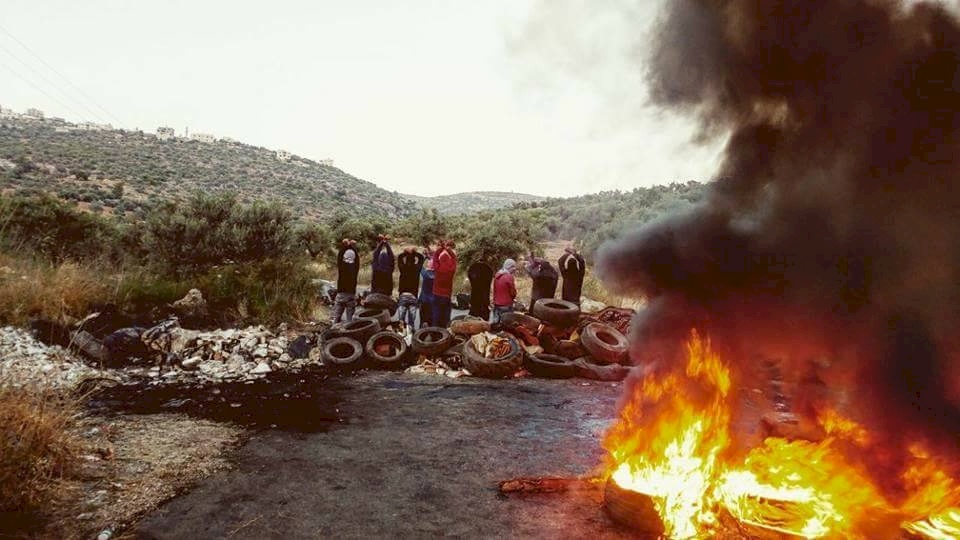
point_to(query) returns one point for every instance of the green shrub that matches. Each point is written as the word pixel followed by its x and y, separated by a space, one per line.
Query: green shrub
pixel 40 224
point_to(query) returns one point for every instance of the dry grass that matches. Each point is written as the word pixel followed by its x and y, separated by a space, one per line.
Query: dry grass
pixel 36 452
pixel 32 289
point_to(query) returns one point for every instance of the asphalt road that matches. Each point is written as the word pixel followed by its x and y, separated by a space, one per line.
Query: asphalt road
pixel 411 456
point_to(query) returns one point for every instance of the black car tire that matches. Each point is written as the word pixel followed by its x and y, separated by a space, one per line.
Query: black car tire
pixel 605 343
pixel 380 315
pixel 432 341
pixel 360 329
pixel 380 301
pixel 493 368
pixel 559 313
pixel 550 366
pixel 392 361
pixel 342 354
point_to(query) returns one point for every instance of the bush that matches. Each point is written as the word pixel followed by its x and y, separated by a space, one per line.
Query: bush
pixel 40 224
pixel 36 451
pixel 31 289
pixel 214 230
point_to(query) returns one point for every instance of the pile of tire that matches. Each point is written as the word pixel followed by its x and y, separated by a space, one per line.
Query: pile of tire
pixel 596 351
pixel 362 344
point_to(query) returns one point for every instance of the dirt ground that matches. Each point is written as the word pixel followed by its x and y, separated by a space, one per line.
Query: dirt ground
pixel 133 463
pixel 411 456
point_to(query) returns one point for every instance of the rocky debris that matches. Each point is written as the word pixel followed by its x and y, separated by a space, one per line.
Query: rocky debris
pixel 25 361
pixel 192 305
pixel 234 353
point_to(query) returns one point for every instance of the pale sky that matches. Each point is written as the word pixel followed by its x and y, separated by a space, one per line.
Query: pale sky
pixel 425 97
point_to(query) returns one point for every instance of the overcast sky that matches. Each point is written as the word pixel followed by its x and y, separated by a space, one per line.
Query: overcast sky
pixel 422 96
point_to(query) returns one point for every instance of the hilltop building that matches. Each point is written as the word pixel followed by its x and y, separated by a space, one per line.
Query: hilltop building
pixel 327 162
pixel 36 114
pixel 165 133
pixel 203 137
pixel 283 155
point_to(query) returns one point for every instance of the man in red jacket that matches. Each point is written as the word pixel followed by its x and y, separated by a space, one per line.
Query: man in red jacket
pixel 504 290
pixel 444 267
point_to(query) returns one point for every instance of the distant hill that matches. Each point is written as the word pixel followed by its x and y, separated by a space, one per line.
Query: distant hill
pixel 115 170
pixel 474 201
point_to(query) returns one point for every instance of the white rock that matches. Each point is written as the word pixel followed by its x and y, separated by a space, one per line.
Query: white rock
pixel 191 363
pixel 262 367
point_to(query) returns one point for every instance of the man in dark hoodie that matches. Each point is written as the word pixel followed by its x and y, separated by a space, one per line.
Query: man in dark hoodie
pixel 545 278
pixel 572 268
pixel 383 265
pixel 480 275
pixel 348 266
pixel 410 262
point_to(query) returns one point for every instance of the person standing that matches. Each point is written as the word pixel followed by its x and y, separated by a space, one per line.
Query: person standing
pixel 572 268
pixel 383 265
pixel 480 275
pixel 426 294
pixel 504 290
pixel 348 266
pixel 445 267
pixel 545 278
pixel 410 263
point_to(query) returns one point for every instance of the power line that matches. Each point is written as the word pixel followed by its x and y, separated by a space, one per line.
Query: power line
pixel 62 76
pixel 51 83
pixel 41 90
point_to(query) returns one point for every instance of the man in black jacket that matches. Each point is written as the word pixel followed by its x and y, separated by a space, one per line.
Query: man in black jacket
pixel 572 268
pixel 545 278
pixel 348 266
pixel 410 262
pixel 481 276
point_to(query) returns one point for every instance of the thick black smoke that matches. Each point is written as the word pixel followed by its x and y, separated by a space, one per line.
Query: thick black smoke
pixel 834 231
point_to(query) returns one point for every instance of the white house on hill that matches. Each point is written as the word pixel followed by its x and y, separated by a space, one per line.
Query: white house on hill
pixel 165 133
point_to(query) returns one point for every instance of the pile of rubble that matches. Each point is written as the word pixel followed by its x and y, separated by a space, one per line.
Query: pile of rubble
pixel 247 353
pixel 24 361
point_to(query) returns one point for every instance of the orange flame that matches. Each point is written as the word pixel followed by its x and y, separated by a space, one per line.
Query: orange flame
pixel 672 442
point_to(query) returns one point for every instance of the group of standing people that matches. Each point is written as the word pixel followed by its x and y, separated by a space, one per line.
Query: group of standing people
pixel 431 299
pixel 545 279
pixel 426 282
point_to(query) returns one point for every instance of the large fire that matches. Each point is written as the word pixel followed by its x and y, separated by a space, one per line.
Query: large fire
pixel 673 443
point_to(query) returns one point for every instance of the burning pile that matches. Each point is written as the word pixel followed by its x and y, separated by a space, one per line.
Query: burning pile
pixel 830 239
pixel 674 442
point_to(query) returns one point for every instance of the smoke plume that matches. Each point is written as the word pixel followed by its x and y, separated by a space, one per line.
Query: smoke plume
pixel 834 231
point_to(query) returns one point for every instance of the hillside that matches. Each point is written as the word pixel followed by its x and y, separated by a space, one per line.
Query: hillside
pixel 474 201
pixel 593 219
pixel 118 170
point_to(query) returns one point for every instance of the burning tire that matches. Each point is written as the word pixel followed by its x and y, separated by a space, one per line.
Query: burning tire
pixel 432 340
pixel 342 354
pixel 382 316
pixel 633 510
pixel 493 368
pixel 559 313
pixel 360 329
pixel 509 320
pixel 386 350
pixel 605 343
pixel 380 301
pixel 550 366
